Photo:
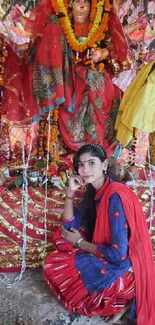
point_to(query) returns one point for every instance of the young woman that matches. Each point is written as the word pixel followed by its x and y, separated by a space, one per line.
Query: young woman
pixel 103 269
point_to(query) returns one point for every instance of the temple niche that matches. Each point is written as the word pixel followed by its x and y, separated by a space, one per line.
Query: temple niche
pixel 61 87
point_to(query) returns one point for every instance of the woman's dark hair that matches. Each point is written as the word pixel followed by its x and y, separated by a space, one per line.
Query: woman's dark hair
pixel 88 203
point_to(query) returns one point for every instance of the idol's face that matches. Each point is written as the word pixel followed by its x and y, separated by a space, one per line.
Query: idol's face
pixel 81 10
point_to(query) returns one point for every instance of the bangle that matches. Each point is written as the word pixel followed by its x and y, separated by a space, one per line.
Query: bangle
pixel 78 244
pixel 69 197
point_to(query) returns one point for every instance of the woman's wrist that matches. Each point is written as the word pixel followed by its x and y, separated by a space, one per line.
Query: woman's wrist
pixel 70 194
pixel 78 244
pixel 69 197
pixel 88 247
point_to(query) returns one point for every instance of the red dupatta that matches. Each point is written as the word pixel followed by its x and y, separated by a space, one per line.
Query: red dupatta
pixel 140 248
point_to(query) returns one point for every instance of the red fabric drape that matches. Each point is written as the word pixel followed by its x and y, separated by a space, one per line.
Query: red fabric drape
pixel 88 122
pixel 120 57
pixel 140 249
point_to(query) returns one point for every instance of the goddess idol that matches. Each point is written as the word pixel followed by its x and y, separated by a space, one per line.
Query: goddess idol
pixel 80 45
pixel 74 50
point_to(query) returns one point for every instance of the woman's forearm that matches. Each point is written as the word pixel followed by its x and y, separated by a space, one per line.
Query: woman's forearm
pixel 69 207
pixel 88 247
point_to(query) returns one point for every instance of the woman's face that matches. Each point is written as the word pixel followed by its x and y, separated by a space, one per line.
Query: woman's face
pixel 91 168
pixel 81 10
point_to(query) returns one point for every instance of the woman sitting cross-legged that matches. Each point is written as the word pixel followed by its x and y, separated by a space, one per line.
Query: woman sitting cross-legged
pixel 109 265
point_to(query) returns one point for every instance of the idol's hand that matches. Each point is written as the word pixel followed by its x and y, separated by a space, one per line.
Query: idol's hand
pixel 96 55
pixel 71 236
pixel 99 54
pixel 75 181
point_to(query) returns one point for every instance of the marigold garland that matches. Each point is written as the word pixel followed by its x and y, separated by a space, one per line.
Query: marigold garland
pixel 98 24
pixel 53 138
pixel 3 55
pixel 93 12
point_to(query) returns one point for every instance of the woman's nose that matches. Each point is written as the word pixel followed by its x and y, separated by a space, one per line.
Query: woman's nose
pixel 86 169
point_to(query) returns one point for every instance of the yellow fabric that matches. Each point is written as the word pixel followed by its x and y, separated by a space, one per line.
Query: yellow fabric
pixel 137 108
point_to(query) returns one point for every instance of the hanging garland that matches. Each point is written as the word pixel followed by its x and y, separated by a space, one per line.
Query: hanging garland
pixel 98 24
pixel 52 147
pixel 3 55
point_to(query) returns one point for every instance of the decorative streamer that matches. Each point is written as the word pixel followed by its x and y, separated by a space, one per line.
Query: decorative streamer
pixel 25 197
pixel 46 173
pixel 151 189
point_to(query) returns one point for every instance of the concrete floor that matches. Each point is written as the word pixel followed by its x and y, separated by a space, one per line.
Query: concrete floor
pixel 31 302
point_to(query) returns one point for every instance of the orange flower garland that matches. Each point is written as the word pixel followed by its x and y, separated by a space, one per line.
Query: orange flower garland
pixel 98 24
pixel 43 145
pixel 3 55
pixel 53 145
pixel 104 22
pixel 93 12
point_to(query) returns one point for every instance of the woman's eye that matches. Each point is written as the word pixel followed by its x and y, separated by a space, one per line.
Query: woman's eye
pixel 91 163
pixel 79 164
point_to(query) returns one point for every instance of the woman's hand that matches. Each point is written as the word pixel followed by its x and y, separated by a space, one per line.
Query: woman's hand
pixel 71 236
pixel 75 181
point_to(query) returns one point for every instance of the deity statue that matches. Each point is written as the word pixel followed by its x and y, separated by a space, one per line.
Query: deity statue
pixel 74 50
pixel 80 45
pixel 93 90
